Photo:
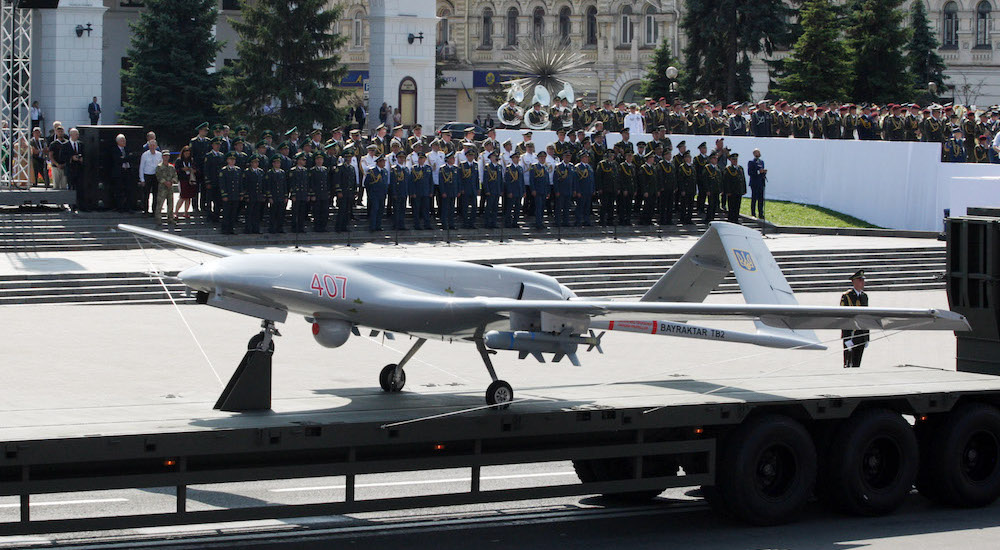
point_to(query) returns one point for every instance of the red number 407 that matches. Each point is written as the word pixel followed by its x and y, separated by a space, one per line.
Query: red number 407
pixel 333 286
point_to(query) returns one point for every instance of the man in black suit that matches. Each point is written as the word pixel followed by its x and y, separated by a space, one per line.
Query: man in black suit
pixel 39 157
pixel 121 176
pixel 94 110
pixel 71 156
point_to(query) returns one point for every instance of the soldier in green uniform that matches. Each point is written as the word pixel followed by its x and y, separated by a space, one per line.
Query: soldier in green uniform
pixel 970 129
pixel 855 341
pixel 626 188
pixel 893 126
pixel 911 123
pixel 981 153
pixel 734 185
pixel 241 156
pixel 256 195
pixel 214 161
pixel 299 192
pixel 230 192
pixel 322 192
pixel 700 162
pixel 648 179
pixel 668 187
pixel 712 182
pixel 606 178
pixel 850 121
pixel 276 191
pixel 699 122
pixel 686 187
pixel 816 121
pixel 801 124
pixel 832 122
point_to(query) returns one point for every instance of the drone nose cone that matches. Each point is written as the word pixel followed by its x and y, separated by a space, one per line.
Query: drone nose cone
pixel 198 277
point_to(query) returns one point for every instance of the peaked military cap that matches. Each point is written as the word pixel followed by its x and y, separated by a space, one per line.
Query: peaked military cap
pixel 300 155
pixel 266 133
pixel 216 139
pixel 292 130
pixel 275 157
pixel 231 155
pixel 203 125
pixel 859 274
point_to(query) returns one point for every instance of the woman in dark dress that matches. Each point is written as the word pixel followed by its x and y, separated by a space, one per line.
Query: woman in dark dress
pixel 189 187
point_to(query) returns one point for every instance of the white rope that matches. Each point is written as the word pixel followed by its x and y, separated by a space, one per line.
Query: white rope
pixel 179 312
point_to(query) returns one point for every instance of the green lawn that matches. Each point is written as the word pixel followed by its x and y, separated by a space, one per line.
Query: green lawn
pixel 790 213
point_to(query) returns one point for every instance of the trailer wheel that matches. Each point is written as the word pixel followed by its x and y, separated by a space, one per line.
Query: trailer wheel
pixel 766 471
pixel 873 463
pixel 617 469
pixel 962 457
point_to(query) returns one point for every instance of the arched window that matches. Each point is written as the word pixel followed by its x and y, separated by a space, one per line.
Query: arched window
pixel 564 25
pixel 443 37
pixel 950 26
pixel 357 30
pixel 487 38
pixel 512 27
pixel 538 23
pixel 625 28
pixel 652 30
pixel 592 26
pixel 632 93
pixel 983 24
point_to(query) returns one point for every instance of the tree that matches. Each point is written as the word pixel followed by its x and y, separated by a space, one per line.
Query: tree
pixel 288 68
pixel 655 83
pixel 875 39
pixel 722 34
pixel 921 53
pixel 818 67
pixel 168 86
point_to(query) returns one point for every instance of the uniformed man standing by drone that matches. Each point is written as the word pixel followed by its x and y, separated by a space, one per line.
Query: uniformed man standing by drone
pixel 855 341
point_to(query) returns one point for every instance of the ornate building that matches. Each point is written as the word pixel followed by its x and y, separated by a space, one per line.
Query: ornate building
pixel 475 37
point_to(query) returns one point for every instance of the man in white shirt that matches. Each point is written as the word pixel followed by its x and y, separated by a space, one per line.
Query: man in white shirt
pixel 633 120
pixel 148 162
pixel 414 158
pixel 436 160
pixel 368 161
pixel 505 153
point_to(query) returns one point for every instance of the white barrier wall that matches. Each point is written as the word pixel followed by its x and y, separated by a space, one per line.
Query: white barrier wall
pixel 897 185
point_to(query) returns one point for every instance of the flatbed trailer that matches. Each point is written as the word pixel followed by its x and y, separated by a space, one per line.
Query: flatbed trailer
pixel 860 438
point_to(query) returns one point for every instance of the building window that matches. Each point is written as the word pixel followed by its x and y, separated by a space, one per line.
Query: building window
pixel 564 25
pixel 592 26
pixel 487 37
pixel 950 26
pixel 983 24
pixel 408 101
pixel 232 5
pixel 512 27
pixel 652 29
pixel 356 34
pixel 632 93
pixel 131 3
pixel 625 28
pixel 538 24
pixel 443 37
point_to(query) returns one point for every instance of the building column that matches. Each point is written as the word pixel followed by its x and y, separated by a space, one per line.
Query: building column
pixel 69 69
pixel 393 58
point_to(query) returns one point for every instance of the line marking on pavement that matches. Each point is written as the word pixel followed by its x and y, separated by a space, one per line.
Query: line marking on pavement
pixel 68 502
pixel 419 482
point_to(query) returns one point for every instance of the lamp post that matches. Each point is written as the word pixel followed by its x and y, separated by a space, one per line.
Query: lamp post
pixel 671 74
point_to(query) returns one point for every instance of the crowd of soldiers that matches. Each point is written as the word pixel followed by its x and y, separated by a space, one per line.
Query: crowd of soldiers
pixel 457 181
pixel 968 133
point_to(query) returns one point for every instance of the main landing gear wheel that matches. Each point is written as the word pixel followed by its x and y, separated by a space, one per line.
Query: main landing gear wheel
pixel 387 379
pixel 254 342
pixel 499 393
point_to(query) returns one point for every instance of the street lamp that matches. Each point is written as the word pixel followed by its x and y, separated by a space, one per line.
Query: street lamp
pixel 671 73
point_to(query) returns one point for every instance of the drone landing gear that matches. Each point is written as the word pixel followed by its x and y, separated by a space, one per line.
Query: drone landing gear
pixel 393 377
pixel 250 387
pixel 498 393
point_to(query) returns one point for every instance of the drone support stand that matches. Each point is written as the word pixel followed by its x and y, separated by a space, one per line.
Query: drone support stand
pixel 250 387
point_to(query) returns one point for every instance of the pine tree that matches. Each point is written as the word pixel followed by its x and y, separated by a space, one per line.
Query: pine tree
pixel 921 52
pixel 168 86
pixel 818 67
pixel 655 83
pixel 875 40
pixel 288 68
pixel 721 36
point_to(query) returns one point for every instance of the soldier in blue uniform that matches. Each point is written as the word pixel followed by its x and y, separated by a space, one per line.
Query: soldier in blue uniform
pixel 230 192
pixel 448 186
pixel 241 155
pixel 399 191
pixel 584 190
pixel 562 183
pixel 319 187
pixel 855 341
pixel 253 188
pixel 214 161
pixel 954 149
pixel 469 193
pixel 538 177
pixel 292 139
pixel 513 191
pixel 276 190
pixel 346 189
pixel 376 187
pixel 298 190
pixel 492 189
pixel 423 188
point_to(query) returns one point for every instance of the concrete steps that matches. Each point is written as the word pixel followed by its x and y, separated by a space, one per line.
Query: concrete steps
pixel 597 277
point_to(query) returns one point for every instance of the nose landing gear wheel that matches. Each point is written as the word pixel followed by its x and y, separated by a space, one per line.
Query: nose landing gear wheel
pixel 499 392
pixel 388 381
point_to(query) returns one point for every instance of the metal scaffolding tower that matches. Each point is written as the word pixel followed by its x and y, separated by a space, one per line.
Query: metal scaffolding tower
pixel 15 93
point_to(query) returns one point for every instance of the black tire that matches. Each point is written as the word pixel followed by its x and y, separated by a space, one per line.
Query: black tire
pixel 873 463
pixel 962 457
pixel 499 392
pixel 617 469
pixel 385 379
pixel 256 340
pixel 766 471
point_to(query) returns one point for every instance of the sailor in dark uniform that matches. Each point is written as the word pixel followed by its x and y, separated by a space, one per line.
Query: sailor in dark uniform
pixel 855 341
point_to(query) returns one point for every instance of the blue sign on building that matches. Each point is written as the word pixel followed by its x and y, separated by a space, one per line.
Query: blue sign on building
pixel 354 79
pixel 489 79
